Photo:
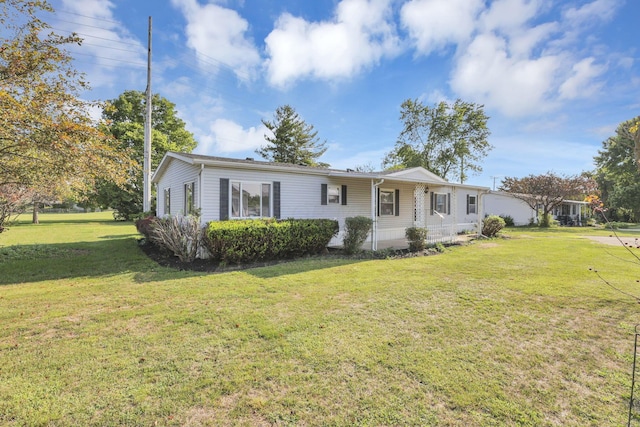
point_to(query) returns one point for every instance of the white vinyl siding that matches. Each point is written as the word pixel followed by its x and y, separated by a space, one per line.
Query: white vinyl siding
pixel 174 179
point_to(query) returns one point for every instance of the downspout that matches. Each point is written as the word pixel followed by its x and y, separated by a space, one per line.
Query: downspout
pixel 481 212
pixel 200 189
pixel 374 216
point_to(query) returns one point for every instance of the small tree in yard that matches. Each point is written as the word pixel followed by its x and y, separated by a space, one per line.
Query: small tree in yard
pixel 13 201
pixel 547 191
pixel 46 132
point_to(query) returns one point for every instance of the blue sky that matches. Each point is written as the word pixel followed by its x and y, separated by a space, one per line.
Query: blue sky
pixel 555 77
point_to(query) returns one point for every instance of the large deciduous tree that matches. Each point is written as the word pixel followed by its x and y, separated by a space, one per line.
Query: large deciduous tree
pixel 547 191
pixel 617 172
pixel 446 139
pixel 124 119
pixel 292 140
pixel 46 133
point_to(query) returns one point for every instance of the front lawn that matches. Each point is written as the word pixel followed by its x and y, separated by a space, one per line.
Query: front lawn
pixel 513 331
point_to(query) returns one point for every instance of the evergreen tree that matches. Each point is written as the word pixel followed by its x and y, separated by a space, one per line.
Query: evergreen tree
pixel 292 140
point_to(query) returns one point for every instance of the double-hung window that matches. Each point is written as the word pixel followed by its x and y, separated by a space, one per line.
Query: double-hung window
pixel 387 202
pixel 189 201
pixel 250 199
pixel 333 194
pixel 440 203
pixel 471 204
pixel 167 201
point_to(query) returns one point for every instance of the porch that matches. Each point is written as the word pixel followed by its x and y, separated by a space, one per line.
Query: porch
pixel 445 233
pixel 395 238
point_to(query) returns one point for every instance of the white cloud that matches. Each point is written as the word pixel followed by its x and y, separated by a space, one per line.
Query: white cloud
pixel 598 10
pixel 218 35
pixel 360 34
pixel 509 15
pixel 486 73
pixel 433 24
pixel 521 65
pixel 582 81
pixel 107 44
pixel 227 136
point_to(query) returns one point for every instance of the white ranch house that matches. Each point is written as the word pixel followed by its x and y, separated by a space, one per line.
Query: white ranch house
pixel 223 188
pixel 570 212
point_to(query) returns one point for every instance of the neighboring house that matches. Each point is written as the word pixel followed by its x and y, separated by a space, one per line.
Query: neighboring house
pixel 570 212
pixel 505 204
pixel 225 189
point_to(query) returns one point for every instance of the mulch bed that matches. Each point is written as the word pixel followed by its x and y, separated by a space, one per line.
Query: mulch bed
pixel 166 259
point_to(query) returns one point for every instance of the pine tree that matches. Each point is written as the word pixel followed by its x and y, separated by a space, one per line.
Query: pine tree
pixel 293 141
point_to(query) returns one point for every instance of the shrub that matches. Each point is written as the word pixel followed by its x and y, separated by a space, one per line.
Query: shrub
pixel 439 247
pixel 144 226
pixel 356 230
pixel 492 225
pixel 181 235
pixel 508 220
pixel 265 239
pixel 417 237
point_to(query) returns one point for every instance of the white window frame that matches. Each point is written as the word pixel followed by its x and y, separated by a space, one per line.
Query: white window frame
pixel 472 208
pixel 334 194
pixel 166 195
pixel 436 204
pixel 241 212
pixel 384 212
pixel 189 205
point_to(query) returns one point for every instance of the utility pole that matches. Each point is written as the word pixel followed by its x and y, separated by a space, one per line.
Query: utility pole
pixel 146 167
pixel 494 181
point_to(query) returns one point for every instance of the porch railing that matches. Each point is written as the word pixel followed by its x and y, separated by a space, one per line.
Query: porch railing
pixel 447 233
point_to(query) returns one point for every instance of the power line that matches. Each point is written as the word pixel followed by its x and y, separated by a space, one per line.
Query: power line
pixel 111 59
pixel 96 37
pixel 90 17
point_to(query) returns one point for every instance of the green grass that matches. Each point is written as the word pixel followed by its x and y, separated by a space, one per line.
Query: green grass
pixel 509 332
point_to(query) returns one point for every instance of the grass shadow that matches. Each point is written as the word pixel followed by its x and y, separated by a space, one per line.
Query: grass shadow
pixel 114 255
pixel 111 256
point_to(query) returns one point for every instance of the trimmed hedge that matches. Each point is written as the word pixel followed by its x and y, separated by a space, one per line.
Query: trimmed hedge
pixel 254 240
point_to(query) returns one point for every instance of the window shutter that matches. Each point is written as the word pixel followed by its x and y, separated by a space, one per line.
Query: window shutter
pixel 448 203
pixel 378 201
pixel 224 199
pixel 432 202
pixel 344 195
pixel 323 194
pixel 276 199
pixel 397 200
pixel 467 204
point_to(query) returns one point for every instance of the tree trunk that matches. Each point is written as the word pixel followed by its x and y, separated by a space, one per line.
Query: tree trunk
pixel 36 211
